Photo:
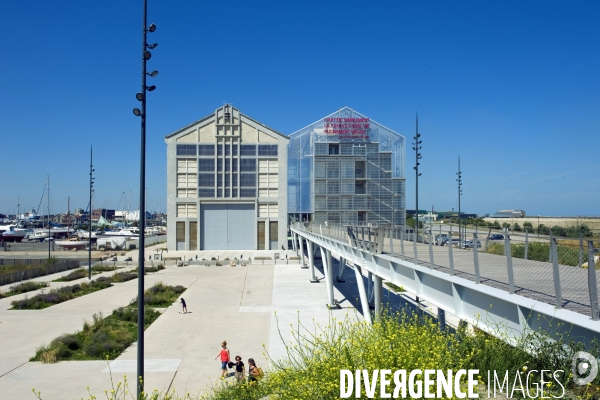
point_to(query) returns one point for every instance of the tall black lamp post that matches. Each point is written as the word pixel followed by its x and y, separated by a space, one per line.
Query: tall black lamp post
pixel 416 148
pixel 459 180
pixel 90 219
pixel 141 96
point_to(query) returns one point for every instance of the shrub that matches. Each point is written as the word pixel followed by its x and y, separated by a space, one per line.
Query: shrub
pixel 56 296
pixel 103 268
pixel 77 274
pixel 24 287
pixel 161 295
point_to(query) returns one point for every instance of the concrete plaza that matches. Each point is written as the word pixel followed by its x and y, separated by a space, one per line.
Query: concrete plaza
pixel 236 304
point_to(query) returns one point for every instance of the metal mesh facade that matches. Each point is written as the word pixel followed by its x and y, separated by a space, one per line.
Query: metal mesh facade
pixel 349 171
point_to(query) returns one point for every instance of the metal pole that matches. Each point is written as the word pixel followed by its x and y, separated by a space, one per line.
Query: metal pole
pixel 48 179
pixel 328 270
pixel 442 319
pixel 509 265
pixel 415 246
pixel 431 263
pixel 476 259
pixel 311 260
pixel 592 286
pixel 378 295
pixel 556 273
pixel 142 219
pixel 364 302
pixel 527 244
pixel 450 256
pixel 90 221
pixel 402 241
pixel 301 251
pixel 581 249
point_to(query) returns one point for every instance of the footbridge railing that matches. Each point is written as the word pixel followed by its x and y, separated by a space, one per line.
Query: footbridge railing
pixel 492 290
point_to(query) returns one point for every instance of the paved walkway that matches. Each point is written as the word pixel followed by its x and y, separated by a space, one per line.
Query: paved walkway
pixel 236 304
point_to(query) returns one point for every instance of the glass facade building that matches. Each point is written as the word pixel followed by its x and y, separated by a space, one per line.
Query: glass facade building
pixel 346 168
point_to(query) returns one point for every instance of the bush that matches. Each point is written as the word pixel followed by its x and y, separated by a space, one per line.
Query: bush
pixel 161 295
pixel 24 287
pixel 102 338
pixel 56 296
pixel 77 274
pixel 103 268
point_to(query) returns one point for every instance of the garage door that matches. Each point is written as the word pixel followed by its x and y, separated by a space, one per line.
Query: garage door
pixel 228 227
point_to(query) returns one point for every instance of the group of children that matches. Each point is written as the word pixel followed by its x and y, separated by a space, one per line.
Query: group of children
pixel 254 372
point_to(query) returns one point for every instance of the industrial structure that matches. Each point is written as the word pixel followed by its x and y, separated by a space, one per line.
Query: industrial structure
pixel 226 184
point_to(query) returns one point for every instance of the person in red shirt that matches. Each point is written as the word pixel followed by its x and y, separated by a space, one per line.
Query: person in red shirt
pixel 224 354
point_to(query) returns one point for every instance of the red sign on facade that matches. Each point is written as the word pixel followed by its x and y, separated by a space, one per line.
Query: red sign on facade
pixel 347 128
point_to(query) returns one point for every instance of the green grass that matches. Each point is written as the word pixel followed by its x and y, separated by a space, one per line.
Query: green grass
pixel 60 295
pixel 23 287
pixel 107 338
pixel 567 255
pixel 74 275
pixel 160 295
pixel 101 339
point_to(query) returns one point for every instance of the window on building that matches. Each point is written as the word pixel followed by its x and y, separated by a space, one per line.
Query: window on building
pixel 248 150
pixel 193 243
pixel 206 192
pixel 206 165
pixel 248 165
pixel 260 235
pixel 206 150
pixel 205 180
pixel 334 149
pixel 186 193
pixel 245 192
pixel 267 150
pixel 186 180
pixel 248 180
pixel 186 149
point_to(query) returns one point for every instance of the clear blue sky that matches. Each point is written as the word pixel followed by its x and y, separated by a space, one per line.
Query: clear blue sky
pixel 511 86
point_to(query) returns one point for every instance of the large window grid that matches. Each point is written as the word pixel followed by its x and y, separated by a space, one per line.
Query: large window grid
pixel 206 165
pixel 187 149
pixel 206 150
pixel 267 150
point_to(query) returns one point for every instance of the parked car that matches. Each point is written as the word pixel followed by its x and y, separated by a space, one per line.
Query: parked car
pixel 441 240
pixel 469 244
pixel 496 237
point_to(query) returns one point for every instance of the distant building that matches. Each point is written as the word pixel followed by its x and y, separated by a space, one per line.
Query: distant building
pixel 510 214
pixel 103 212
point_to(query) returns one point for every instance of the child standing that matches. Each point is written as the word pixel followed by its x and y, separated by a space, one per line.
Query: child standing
pixel 183 306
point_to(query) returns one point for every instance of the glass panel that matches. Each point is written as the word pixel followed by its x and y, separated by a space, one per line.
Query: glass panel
pixel 206 180
pixel 267 150
pixel 206 192
pixel 248 164
pixel 186 149
pixel 206 165
pixel 248 150
pixel 206 150
pixel 247 192
pixel 261 235
pixel 247 179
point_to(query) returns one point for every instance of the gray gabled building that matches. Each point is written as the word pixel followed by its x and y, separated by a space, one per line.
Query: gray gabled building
pixel 226 184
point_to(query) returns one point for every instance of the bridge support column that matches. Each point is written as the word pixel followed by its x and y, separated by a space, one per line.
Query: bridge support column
pixel 301 244
pixel 364 302
pixel 340 277
pixel 311 261
pixel 442 319
pixel 378 289
pixel 294 235
pixel 328 270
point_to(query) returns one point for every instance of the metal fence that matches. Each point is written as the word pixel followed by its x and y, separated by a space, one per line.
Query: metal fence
pixel 557 271
pixel 17 270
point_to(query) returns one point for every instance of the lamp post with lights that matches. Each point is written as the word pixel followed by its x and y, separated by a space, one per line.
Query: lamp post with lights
pixel 416 147
pixel 141 96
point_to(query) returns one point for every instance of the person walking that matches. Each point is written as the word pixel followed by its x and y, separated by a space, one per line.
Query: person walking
pixel 183 306
pixel 240 369
pixel 224 354
pixel 254 372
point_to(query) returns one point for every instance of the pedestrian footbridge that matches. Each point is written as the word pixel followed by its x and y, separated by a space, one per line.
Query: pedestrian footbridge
pixel 500 294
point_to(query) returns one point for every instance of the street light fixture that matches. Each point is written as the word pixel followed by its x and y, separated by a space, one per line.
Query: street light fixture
pixel 416 147
pixel 146 55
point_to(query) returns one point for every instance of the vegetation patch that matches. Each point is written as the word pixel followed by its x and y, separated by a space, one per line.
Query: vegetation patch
pixel 395 288
pixel 101 339
pixel 77 274
pixel 148 270
pixel 107 338
pixel 23 288
pixel 103 268
pixel 567 255
pixel 60 295
pixel 160 295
